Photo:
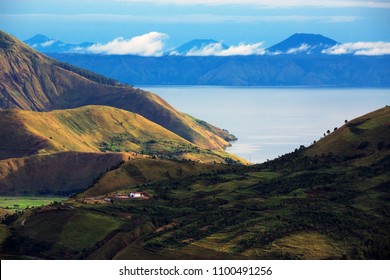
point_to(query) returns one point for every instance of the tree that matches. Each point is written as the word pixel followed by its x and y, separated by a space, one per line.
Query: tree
pixel 381 145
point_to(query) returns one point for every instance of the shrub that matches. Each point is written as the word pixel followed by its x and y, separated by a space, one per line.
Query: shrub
pixel 363 145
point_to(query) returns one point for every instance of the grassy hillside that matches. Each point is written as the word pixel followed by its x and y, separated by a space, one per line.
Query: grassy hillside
pixel 14 204
pixel 65 150
pixel 366 135
pixel 60 173
pixel 86 129
pixel 32 81
pixel 133 173
pixel 96 129
pixel 326 206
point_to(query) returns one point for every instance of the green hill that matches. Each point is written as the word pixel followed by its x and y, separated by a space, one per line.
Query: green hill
pixel 63 151
pixel 130 175
pixel 368 135
pixel 85 129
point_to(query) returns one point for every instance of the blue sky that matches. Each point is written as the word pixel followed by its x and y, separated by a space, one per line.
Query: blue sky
pixel 230 21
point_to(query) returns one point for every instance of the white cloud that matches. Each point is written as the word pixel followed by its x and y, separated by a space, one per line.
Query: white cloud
pixel 275 4
pixel 244 49
pixel 207 50
pixel 48 43
pixel 360 48
pixel 150 44
pixel 301 48
pixel 216 49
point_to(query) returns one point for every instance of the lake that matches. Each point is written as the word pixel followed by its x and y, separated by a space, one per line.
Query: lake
pixel 273 121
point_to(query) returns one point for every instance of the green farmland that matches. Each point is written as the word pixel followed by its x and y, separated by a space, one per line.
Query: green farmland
pixel 12 204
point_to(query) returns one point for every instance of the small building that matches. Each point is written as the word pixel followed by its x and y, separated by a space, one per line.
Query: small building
pixel 143 195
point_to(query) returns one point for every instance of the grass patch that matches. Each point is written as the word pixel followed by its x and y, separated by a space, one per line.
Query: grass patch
pixel 3 233
pixel 307 245
pixel 16 203
pixel 265 175
pixel 220 242
pixel 84 230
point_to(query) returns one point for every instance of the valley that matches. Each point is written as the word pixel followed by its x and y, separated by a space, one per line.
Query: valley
pixel 69 132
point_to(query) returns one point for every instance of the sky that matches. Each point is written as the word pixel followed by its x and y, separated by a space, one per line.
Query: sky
pixel 165 24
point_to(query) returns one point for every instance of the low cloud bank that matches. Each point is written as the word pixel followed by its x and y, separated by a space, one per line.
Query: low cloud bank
pixel 360 48
pixel 153 43
pixel 217 49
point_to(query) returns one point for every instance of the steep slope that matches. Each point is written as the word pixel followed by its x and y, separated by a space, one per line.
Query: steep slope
pixel 93 129
pixel 136 172
pixel 302 43
pixel 32 81
pixel 84 129
pixel 60 173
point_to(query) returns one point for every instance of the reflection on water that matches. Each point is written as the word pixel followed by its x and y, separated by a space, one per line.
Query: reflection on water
pixel 273 121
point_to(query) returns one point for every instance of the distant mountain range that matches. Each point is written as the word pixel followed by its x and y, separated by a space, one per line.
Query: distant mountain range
pixel 266 70
pixel 300 60
pixel 299 43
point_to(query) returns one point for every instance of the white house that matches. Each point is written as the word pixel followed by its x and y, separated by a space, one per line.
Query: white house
pixel 138 195
pixel 135 195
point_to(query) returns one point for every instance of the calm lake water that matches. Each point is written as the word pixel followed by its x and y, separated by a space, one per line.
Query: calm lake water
pixel 273 121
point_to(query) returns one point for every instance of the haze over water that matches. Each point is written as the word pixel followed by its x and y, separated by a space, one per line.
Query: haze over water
pixel 273 121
